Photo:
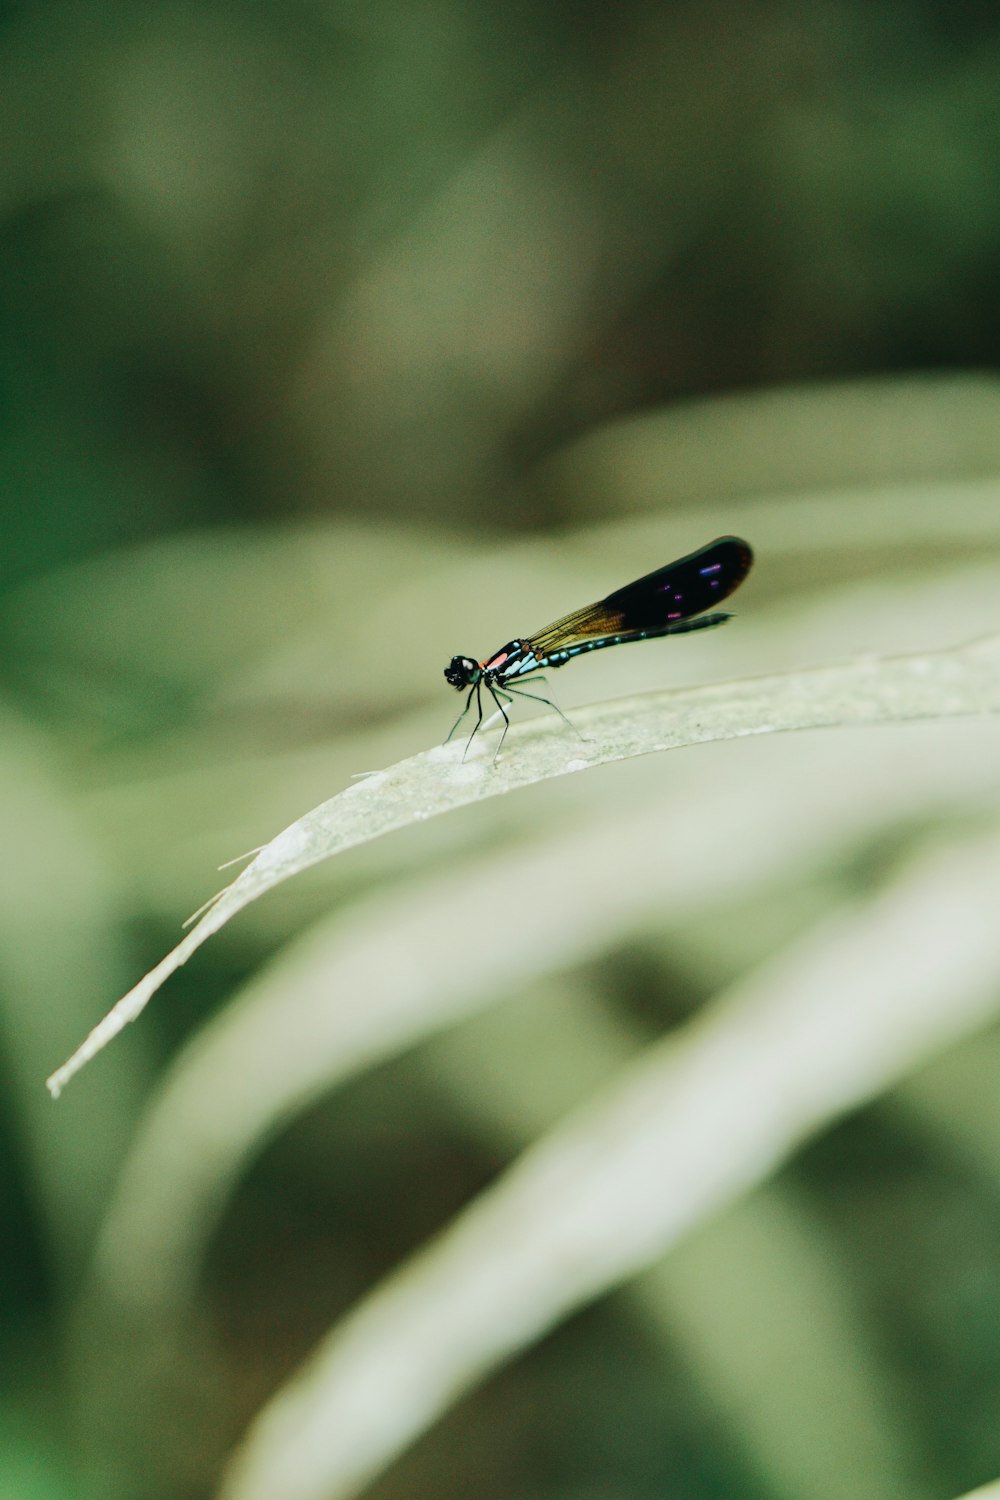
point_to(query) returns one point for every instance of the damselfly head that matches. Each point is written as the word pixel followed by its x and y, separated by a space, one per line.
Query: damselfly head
pixel 462 672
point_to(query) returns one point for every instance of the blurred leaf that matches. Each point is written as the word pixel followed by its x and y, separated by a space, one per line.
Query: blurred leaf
pixel 771 1328
pixel 701 1117
pixel 51 971
pixel 963 681
pixel 391 968
pixel 897 433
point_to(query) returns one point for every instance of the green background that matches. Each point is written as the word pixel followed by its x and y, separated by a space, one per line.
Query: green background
pixel 338 339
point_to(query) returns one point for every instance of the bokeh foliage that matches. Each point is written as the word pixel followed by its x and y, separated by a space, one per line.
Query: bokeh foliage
pixel 334 340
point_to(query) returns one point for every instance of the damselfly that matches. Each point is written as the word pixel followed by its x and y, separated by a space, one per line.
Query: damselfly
pixel 666 602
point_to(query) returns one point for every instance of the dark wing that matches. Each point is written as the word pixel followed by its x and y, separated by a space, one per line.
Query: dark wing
pixel 683 588
pixel 653 603
pixel 587 624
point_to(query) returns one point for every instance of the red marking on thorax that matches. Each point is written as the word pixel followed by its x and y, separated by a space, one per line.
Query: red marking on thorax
pixel 494 662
